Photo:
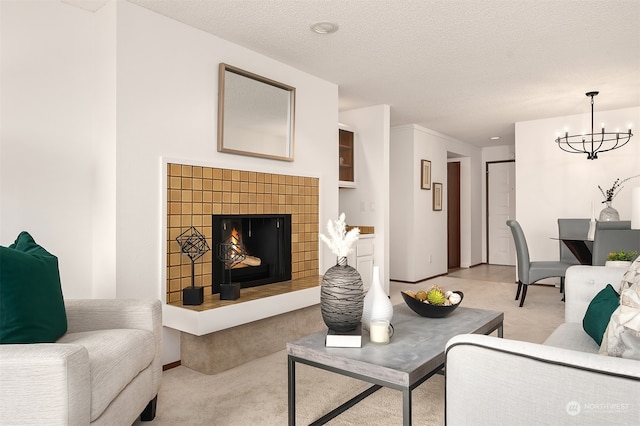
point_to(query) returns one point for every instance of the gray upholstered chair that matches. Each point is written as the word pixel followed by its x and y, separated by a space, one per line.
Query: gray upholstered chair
pixel 613 236
pixel 530 272
pixel 573 229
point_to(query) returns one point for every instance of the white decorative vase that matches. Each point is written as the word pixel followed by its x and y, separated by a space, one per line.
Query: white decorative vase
pixel 608 213
pixel 377 305
pixel 617 263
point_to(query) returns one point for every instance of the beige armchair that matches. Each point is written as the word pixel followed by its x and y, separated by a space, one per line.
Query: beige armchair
pixel 105 370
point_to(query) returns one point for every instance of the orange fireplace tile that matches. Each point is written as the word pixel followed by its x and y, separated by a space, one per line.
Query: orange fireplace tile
pixel 174 182
pixel 175 169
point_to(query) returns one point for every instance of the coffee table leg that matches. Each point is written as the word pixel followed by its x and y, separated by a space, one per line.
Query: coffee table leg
pixel 406 407
pixel 292 391
pixel 500 331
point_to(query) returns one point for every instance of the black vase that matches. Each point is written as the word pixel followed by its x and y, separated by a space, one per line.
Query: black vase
pixel 341 297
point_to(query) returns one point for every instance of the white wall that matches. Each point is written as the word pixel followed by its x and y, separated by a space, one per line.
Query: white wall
pixel 418 234
pixel 104 156
pixel 551 183
pixel 368 203
pixel 401 201
pixel 92 102
pixel 47 173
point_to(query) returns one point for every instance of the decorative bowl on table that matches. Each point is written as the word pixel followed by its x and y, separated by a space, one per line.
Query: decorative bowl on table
pixel 429 310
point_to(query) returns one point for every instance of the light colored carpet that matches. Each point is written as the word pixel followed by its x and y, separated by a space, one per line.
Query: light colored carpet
pixel 255 393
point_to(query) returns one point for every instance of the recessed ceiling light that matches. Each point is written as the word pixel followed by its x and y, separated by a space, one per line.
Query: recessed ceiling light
pixel 494 138
pixel 324 28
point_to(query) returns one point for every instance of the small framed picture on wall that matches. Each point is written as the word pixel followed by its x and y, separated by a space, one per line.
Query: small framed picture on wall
pixel 425 182
pixel 437 196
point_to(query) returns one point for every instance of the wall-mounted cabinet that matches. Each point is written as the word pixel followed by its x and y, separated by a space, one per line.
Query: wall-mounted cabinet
pixel 346 158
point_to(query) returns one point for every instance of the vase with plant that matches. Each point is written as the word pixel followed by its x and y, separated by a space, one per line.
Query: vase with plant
pixel 341 292
pixel 621 258
pixel 609 213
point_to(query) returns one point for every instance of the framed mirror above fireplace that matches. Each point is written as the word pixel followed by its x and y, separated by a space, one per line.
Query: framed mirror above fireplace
pixel 256 115
pixel 265 243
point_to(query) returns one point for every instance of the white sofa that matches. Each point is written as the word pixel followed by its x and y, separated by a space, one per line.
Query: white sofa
pixel 105 370
pixel 493 381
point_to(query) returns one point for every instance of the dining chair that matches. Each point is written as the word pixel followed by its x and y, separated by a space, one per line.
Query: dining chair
pixel 531 272
pixel 572 229
pixel 575 229
pixel 613 236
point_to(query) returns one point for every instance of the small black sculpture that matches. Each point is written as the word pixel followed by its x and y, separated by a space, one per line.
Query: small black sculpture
pixel 193 244
pixel 230 253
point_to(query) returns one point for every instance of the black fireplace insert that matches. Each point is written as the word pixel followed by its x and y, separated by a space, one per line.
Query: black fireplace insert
pixel 264 244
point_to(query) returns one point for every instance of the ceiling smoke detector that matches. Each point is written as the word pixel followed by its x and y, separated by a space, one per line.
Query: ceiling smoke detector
pixel 324 28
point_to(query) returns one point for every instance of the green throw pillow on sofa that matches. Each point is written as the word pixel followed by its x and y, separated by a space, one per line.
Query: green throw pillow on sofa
pixel 31 303
pixel 599 312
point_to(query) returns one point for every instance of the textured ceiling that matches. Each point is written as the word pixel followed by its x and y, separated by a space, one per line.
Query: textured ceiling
pixel 469 69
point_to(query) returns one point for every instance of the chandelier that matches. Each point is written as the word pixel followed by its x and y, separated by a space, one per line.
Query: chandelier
pixel 593 143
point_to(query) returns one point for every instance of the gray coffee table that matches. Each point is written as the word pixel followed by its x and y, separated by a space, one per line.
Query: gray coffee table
pixel 416 352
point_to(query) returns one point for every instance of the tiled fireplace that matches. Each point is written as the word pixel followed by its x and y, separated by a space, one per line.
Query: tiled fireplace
pixel 196 193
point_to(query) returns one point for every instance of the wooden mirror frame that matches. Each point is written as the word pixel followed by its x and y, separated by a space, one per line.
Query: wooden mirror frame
pixel 256 115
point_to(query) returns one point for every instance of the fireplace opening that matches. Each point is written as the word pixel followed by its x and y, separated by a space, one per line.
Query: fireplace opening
pixel 257 249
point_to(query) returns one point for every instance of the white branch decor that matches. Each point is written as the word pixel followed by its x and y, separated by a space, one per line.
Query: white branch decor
pixel 340 241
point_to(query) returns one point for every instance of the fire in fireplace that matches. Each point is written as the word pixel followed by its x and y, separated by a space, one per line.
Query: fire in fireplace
pixel 260 246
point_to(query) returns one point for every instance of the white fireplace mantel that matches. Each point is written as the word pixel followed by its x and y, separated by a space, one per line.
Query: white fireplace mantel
pixel 200 323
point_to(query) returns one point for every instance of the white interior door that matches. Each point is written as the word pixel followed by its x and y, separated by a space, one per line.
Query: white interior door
pixel 501 207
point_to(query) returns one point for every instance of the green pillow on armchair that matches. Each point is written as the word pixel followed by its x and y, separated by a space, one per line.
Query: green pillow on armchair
pixel 31 301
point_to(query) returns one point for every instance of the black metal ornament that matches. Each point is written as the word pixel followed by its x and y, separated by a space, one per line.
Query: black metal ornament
pixel 193 244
